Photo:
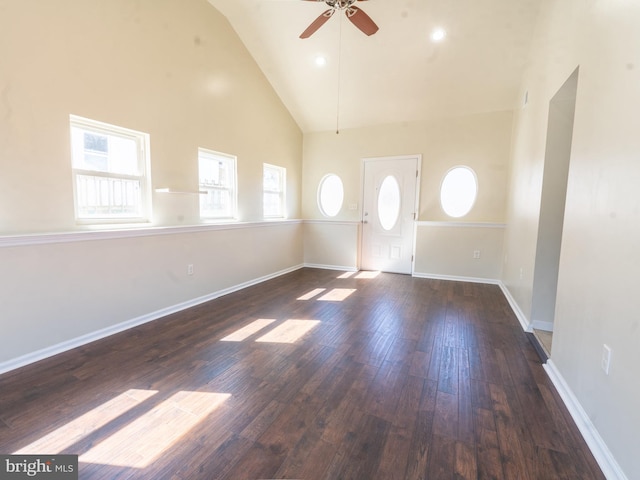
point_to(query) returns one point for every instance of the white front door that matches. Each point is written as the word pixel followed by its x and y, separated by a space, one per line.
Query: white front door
pixel 390 209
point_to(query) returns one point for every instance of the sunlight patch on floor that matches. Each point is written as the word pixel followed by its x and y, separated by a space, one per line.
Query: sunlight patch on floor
pixel 74 431
pixel 289 331
pixel 337 294
pixel 367 274
pixel 311 294
pixel 347 275
pixel 142 441
pixel 248 330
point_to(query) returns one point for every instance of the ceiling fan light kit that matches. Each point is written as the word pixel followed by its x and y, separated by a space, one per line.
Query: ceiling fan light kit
pixel 355 15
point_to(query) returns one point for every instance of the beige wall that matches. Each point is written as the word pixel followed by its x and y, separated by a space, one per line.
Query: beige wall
pixel 58 291
pixel 446 250
pixel 480 141
pixel 597 288
pixel 328 244
pixel 173 69
pixel 176 70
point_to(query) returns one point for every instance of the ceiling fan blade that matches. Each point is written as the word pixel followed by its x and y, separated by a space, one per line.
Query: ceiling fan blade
pixel 317 23
pixel 362 20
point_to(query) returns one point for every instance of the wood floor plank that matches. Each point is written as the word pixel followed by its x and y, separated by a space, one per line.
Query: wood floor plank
pixel 399 353
pixel 385 391
pixel 448 375
pixel 393 460
pixel 420 364
pixel 442 460
pixel 489 461
pixel 481 394
pixel 409 404
pixel 465 467
pixel 446 415
pixel 311 462
pixel 366 451
pixel 509 439
pixel 375 349
pixel 339 421
pixel 436 360
pixel 262 420
pixel 403 378
pixel 420 446
pixel 543 430
pixel 259 461
pixel 465 399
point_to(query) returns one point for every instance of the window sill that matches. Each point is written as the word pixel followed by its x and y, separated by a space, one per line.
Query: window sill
pixel 181 192
pixel 127 231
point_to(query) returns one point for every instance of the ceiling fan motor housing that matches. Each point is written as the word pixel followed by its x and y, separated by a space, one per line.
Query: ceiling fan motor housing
pixel 340 4
pixel 353 13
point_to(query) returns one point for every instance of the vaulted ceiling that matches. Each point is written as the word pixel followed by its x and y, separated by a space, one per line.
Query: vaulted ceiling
pixel 399 74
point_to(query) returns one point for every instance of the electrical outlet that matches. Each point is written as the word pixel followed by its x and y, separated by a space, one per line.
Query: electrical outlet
pixel 190 269
pixel 521 273
pixel 476 254
pixel 606 358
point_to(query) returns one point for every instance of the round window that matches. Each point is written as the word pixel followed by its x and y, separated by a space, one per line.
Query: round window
pixel 389 202
pixel 330 195
pixel 458 191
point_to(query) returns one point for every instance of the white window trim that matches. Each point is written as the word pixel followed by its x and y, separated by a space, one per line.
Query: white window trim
pixel 233 188
pixel 475 198
pixel 282 193
pixel 142 141
pixel 321 187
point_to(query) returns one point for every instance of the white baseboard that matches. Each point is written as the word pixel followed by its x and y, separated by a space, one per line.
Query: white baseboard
pixel 598 447
pixel 596 444
pixel 120 327
pixel 522 318
pixel 332 267
pixel 454 278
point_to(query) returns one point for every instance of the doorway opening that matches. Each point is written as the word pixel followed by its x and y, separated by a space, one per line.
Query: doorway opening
pixel 552 205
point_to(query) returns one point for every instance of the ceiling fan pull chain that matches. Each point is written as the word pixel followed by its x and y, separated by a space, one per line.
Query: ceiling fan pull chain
pixel 339 77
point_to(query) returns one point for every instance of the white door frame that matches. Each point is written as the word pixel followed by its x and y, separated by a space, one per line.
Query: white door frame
pixel 418 158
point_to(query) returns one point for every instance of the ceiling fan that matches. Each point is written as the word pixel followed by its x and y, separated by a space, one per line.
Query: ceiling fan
pixel 353 13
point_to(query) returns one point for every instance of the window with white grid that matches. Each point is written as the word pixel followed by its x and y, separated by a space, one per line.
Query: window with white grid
pixel 217 172
pixel 274 191
pixel 110 172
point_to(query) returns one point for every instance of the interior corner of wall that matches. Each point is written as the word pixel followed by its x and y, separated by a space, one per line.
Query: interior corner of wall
pixel 522 318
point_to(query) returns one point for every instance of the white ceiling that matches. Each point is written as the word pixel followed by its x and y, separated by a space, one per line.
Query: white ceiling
pixel 396 75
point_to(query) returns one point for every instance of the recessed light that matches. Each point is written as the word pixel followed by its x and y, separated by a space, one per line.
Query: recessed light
pixel 438 35
pixel 321 61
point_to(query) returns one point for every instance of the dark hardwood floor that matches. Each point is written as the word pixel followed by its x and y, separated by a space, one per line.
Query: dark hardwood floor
pixel 389 377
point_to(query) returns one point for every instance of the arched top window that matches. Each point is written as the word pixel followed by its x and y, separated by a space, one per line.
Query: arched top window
pixel 458 191
pixel 330 195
